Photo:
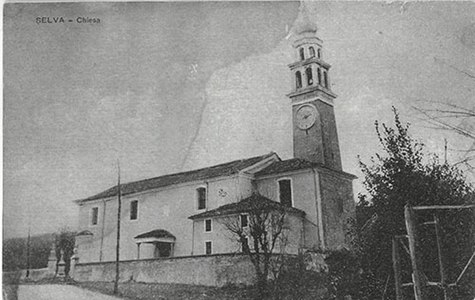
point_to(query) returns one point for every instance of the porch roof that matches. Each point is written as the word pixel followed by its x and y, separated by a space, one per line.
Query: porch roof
pixel 158 233
pixel 251 203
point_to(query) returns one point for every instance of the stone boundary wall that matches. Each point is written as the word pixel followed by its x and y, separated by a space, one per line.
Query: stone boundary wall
pixel 35 274
pixel 209 270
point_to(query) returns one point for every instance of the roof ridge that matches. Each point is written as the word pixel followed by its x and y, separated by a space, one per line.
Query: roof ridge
pixel 222 169
pixel 199 169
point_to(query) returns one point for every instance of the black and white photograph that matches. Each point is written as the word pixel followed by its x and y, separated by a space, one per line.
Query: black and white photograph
pixel 212 150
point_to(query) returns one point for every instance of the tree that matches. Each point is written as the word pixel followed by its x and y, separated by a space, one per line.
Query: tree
pixel 14 252
pixel 266 230
pixel 406 175
pixel 64 246
pixel 453 118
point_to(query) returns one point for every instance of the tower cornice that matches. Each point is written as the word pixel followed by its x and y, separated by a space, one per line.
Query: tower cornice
pixel 302 40
pixel 311 89
pixel 309 61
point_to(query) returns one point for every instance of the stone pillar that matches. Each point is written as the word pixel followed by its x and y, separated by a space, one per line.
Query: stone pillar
pixel 52 260
pixel 61 266
pixel 74 261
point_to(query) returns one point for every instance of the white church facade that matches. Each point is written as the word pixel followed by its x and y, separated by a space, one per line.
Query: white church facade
pixel 180 215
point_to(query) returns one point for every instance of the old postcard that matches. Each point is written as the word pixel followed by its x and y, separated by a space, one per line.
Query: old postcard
pixel 239 150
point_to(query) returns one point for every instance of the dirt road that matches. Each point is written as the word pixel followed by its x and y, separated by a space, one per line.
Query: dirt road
pixel 58 292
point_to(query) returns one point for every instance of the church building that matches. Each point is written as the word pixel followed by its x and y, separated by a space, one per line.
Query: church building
pixel 181 214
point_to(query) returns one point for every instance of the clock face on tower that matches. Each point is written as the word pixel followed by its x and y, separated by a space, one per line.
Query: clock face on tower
pixel 306 116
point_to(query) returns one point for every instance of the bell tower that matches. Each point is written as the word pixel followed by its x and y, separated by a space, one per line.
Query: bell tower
pixel 315 135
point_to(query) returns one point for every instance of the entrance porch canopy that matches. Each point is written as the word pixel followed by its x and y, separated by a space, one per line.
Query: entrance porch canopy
pixel 155 236
pixel 163 240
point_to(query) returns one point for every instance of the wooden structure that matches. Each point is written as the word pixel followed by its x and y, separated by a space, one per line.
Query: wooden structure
pixel 419 280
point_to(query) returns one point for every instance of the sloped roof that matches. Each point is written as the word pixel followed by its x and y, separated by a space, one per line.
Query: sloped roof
pixel 225 169
pixel 296 164
pixel 84 232
pixel 253 202
pixel 286 165
pixel 158 233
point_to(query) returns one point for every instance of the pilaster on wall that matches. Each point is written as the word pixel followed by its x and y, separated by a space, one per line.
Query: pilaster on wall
pixel 337 205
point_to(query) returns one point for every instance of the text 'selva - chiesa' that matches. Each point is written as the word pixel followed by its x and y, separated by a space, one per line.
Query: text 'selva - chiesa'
pixel 179 214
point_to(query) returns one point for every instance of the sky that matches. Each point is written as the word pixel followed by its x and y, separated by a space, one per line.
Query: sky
pixel 169 87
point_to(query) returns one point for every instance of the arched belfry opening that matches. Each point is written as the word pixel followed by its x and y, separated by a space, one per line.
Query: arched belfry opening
pixel 302 54
pixel 308 74
pixel 298 80
pixel 312 51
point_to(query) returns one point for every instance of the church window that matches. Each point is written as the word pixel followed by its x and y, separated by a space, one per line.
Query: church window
pixel 208 225
pixel 312 51
pixel 134 210
pixel 298 79
pixel 319 53
pixel 319 74
pixel 208 247
pixel 285 192
pixel 308 72
pixel 325 78
pixel 94 215
pixel 201 194
pixel 244 221
pixel 302 55
pixel 244 243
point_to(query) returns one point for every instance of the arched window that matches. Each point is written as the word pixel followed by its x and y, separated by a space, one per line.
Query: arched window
pixel 308 73
pixel 319 53
pixel 302 55
pixel 285 192
pixel 325 78
pixel 319 73
pixel 312 51
pixel 298 80
pixel 201 195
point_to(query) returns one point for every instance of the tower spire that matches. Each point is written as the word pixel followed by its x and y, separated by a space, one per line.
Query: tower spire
pixel 303 24
pixel 315 135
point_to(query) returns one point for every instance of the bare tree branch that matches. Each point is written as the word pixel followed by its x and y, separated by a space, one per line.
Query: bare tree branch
pixel 265 231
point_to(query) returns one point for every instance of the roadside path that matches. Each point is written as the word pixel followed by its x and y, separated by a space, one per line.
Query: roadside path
pixel 58 292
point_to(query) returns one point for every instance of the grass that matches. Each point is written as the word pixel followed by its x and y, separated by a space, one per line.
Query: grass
pixel 162 291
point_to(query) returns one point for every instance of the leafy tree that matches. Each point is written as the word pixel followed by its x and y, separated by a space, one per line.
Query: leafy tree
pixel 64 246
pixel 405 175
pixel 15 250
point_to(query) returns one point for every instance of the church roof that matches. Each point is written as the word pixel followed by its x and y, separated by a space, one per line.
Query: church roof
pixel 158 233
pixel 251 203
pixel 225 169
pixel 293 164
pixel 286 165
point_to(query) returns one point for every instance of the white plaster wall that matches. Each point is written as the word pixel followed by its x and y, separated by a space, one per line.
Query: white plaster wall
pixel 224 241
pixel 304 198
pixel 167 209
